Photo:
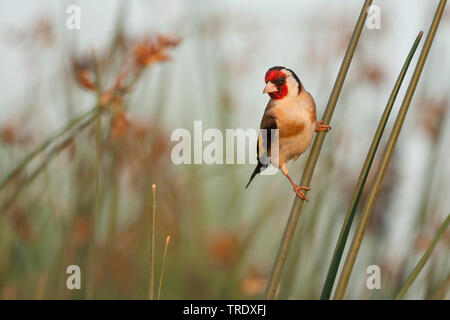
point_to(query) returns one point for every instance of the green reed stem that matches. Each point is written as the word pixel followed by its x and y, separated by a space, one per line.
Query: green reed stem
pixel 303 238
pixel 419 266
pixel 291 225
pixel 90 281
pixel 163 267
pixel 53 152
pixel 443 290
pixel 44 146
pixel 340 245
pixel 357 239
pixel 152 270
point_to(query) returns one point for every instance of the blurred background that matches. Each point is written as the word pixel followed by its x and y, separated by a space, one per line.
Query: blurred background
pixel 158 65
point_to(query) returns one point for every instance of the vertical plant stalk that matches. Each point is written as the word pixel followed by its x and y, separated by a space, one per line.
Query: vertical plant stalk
pixel 423 260
pixel 96 213
pixel 301 240
pixel 291 225
pixel 98 191
pixel 152 264
pixel 115 190
pixel 41 286
pixel 161 277
pixel 340 245
pixel 443 290
pixel 431 171
pixel 357 239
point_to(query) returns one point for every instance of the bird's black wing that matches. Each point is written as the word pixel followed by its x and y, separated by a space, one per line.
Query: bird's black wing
pixel 263 146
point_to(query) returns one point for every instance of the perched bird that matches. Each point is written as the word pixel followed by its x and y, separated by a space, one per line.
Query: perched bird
pixel 291 112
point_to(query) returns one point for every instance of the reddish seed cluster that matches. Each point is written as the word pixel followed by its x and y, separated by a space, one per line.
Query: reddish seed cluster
pixel 223 246
pixel 120 123
pixel 145 52
pixel 84 78
pixel 151 51
pixel 8 134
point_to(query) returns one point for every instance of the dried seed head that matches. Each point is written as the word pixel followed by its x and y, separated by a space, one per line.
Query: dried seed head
pixel 120 123
pixel 106 97
pixel 150 51
pixel 84 78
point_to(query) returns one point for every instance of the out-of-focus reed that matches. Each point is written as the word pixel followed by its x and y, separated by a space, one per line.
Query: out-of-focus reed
pixel 90 204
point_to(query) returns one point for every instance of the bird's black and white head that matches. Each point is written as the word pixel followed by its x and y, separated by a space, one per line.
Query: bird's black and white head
pixel 282 82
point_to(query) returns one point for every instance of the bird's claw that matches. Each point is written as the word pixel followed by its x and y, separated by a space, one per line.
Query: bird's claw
pixel 322 127
pixel 300 194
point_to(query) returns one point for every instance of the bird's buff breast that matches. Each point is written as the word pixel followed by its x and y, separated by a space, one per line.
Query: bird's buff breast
pixel 296 129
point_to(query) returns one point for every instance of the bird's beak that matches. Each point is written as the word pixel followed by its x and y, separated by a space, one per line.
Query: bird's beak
pixel 270 87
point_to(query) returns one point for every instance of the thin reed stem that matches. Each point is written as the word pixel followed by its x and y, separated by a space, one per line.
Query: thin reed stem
pixel 98 175
pixel 44 146
pixel 423 260
pixel 152 270
pixel 291 273
pixel 357 239
pixel 431 170
pixel 53 152
pixel 163 267
pixel 443 290
pixel 41 286
pixel 340 245
pixel 291 225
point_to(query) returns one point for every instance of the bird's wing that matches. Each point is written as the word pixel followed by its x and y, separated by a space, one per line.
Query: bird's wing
pixel 263 148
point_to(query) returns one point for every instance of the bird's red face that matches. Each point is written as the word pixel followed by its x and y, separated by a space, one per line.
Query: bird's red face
pixel 276 85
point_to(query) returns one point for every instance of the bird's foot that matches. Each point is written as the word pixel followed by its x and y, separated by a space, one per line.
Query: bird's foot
pixel 322 127
pixel 300 194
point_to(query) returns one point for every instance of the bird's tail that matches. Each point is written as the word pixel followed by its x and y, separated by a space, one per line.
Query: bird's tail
pixel 255 172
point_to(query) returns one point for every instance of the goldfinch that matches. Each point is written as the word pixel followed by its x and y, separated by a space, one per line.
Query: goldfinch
pixel 291 111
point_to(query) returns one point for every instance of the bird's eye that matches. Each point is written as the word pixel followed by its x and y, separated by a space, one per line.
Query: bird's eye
pixel 282 79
